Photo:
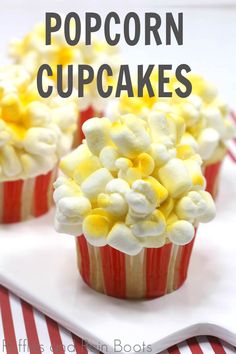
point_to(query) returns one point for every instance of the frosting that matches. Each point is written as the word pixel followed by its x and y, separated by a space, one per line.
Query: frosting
pixel 34 132
pixel 204 112
pixel 31 52
pixel 133 183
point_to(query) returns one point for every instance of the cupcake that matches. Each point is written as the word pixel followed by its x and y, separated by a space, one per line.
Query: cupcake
pixel 32 52
pixel 211 126
pixel 133 196
pixel 206 116
pixel 34 134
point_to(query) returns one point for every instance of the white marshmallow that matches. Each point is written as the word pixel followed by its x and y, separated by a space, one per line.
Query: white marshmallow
pixel 151 226
pixel 96 182
pixel 96 131
pixel 175 177
pixel 209 214
pixel 117 185
pixel 11 164
pixel 122 239
pixel 130 138
pixel 180 232
pixel 75 207
pixel 40 141
pixel 208 141
pixel 108 157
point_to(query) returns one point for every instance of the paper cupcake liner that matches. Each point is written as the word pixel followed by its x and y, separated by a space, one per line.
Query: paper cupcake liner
pixel 152 273
pixel 212 175
pixel 84 115
pixel 23 199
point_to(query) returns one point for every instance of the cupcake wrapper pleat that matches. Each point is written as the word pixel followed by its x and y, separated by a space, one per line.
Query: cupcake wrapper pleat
pixel 24 199
pixel 212 175
pixel 152 273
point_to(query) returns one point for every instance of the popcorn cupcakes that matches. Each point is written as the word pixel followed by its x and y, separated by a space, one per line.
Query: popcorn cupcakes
pixel 206 116
pixel 207 120
pixel 134 195
pixel 34 134
pixel 31 52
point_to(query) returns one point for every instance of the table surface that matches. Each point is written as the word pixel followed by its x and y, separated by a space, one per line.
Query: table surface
pixel 22 327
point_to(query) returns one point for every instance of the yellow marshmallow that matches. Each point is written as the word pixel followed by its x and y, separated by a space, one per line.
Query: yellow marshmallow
pixel 160 191
pixel 167 207
pixel 145 164
pixel 96 229
pixel 86 168
pixel 11 108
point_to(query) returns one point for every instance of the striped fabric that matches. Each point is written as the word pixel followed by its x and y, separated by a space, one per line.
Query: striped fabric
pixel 25 330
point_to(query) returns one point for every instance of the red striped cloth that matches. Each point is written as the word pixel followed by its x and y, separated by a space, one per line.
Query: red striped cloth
pixel 25 330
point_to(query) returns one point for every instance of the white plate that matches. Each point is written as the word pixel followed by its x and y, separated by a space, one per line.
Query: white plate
pixel 40 266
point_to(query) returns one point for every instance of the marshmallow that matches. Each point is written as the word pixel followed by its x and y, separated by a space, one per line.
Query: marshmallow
pixel 151 226
pixel 159 128
pixel 175 177
pixel 96 131
pixel 68 189
pixel 180 232
pixel 40 141
pixel 113 203
pixel 161 154
pixel 191 207
pixel 11 164
pixel 73 159
pixel 195 172
pixel 75 207
pixel 85 168
pixel 130 136
pixel 69 229
pixel 96 183
pixel 117 185
pixel 139 203
pixel 209 214
pixel 208 140
pixel 153 242
pixel 121 238
pixel 36 114
pixel 108 157
pixel 96 228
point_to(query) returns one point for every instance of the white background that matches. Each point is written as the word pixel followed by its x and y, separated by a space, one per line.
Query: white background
pixel 209 33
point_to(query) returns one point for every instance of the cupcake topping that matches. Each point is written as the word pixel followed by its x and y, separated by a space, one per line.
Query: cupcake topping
pixel 133 183
pixel 34 133
pixel 204 113
pixel 32 52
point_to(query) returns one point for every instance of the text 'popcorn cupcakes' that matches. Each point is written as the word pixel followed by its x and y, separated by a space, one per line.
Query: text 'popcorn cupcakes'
pixel 31 52
pixel 34 134
pixel 135 191
pixel 208 127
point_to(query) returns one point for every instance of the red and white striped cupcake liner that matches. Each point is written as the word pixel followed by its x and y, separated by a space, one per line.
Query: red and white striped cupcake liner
pixel 23 199
pixel 212 171
pixel 212 175
pixel 152 273
pixel 84 115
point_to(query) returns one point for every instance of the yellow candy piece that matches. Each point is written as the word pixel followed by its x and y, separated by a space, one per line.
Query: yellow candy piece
pixel 172 218
pixel 195 172
pixel 145 163
pixel 167 207
pixel 177 125
pixel 96 226
pixel 11 109
pixel 18 131
pixel 160 190
pixel 85 168
pixel 184 152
